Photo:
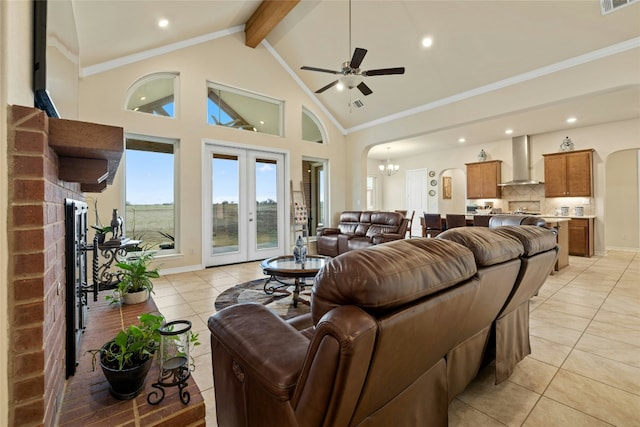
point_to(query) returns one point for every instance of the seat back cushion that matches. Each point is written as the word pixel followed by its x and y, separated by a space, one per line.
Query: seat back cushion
pixel 534 239
pixel 384 277
pixel 385 223
pixel 488 247
pixel 349 221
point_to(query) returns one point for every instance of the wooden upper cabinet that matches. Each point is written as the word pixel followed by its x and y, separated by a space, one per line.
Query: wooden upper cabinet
pixel 483 179
pixel 568 174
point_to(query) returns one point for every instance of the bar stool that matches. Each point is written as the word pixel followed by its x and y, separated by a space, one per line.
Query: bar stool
pixel 456 220
pixel 481 220
pixel 432 225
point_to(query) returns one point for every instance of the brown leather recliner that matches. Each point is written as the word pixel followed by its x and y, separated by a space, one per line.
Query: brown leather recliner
pixel 357 230
pixel 392 324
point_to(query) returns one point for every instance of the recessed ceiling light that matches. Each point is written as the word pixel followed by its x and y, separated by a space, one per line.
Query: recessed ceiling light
pixel 261 122
pixel 508 131
pixel 163 23
pixel 340 86
pixel 142 98
pixel 427 42
pixel 461 140
pixel 572 120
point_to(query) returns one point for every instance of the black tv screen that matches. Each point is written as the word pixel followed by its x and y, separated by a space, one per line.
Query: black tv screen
pixel 42 98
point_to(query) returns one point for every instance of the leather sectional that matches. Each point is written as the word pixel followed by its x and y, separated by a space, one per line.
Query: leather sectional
pixel 396 331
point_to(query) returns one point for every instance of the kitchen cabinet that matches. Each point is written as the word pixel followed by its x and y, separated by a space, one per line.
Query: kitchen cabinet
pixel 581 237
pixel 483 179
pixel 568 174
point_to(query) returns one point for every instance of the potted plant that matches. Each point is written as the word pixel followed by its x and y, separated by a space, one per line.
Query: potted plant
pixel 135 279
pixel 125 360
pixel 101 232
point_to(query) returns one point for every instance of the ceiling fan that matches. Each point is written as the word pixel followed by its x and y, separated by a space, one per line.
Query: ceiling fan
pixel 351 74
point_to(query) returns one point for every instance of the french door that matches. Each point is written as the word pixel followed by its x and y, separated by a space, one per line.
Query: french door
pixel 244 204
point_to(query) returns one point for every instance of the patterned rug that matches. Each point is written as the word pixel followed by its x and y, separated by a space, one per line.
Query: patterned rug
pixel 280 302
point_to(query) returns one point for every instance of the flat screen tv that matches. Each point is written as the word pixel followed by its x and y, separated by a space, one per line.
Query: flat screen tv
pixel 42 97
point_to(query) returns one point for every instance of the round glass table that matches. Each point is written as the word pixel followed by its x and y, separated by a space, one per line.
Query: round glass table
pixel 285 267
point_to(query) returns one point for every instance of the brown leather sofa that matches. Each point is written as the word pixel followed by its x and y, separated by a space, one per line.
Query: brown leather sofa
pixel 397 331
pixel 509 341
pixel 360 229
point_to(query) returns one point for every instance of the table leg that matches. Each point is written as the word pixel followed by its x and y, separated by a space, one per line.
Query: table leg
pixel 296 292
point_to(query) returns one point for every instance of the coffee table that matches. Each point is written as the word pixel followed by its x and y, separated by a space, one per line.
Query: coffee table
pixel 285 267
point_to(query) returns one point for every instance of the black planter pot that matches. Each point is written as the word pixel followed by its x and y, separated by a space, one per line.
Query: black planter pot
pixel 128 383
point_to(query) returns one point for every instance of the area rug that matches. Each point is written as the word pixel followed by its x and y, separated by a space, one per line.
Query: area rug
pixel 280 302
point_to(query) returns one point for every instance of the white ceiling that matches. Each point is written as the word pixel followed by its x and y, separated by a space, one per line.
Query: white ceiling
pixel 477 44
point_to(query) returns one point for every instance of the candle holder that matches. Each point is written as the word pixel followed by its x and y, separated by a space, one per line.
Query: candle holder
pixel 175 338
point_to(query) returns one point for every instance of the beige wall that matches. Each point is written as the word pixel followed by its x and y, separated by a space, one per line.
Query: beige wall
pixel 227 61
pixel 621 202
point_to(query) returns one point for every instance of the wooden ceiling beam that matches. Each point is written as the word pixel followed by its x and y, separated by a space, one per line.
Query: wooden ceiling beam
pixel 265 18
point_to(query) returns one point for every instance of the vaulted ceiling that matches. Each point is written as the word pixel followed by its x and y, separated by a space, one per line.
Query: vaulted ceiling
pixel 478 47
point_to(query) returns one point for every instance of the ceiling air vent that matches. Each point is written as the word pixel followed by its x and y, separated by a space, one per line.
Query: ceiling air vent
pixel 357 103
pixel 608 6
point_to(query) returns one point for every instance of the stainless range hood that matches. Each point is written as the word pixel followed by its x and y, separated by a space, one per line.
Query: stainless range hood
pixel 521 162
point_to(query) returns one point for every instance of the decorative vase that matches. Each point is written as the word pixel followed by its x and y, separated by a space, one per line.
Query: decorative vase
pixel 127 383
pixel 135 297
pixel 299 251
pixel 566 145
pixel 482 155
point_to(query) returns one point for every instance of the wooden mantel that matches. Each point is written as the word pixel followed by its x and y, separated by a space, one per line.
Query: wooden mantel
pixel 88 153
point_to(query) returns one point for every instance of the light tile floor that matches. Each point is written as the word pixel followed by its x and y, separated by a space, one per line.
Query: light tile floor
pixel 584 368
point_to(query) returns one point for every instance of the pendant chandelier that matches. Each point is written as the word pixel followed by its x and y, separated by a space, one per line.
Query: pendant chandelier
pixel 389 168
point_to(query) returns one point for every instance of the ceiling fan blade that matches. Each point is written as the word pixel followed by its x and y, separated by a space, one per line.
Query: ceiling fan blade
pixel 358 56
pixel 322 70
pixel 364 89
pixel 329 86
pixel 384 71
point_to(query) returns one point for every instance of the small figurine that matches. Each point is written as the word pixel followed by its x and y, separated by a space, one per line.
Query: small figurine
pixel 117 225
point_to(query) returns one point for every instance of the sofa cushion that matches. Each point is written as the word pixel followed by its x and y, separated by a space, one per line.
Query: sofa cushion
pixel 385 222
pixel 349 221
pixel 384 277
pixel 533 238
pixel 488 247
pixel 499 220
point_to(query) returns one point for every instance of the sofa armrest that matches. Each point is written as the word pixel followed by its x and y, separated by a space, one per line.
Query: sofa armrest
pixel 327 231
pixel 254 337
pixel 386 237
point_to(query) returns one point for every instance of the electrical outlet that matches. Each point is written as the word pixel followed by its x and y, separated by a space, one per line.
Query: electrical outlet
pixel 586 201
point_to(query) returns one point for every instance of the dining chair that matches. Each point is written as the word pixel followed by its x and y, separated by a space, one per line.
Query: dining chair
pixel 481 220
pixel 432 225
pixel 410 223
pixel 456 220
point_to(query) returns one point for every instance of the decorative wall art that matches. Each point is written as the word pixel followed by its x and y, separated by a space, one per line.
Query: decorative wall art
pixel 446 187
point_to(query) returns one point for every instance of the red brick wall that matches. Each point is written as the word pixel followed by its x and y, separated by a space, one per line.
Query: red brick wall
pixel 36 270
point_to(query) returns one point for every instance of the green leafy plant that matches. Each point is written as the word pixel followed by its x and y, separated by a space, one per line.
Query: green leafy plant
pixel 136 275
pixel 132 346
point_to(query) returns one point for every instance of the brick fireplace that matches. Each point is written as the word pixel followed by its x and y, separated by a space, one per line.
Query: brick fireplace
pixel 36 285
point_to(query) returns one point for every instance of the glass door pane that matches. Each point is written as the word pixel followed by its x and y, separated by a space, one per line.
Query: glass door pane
pixel 266 200
pixel 225 195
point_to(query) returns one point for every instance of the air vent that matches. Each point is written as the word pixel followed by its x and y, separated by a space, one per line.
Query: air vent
pixel 357 103
pixel 608 6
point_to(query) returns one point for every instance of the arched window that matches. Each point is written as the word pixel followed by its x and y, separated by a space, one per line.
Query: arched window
pixel 312 130
pixel 153 94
